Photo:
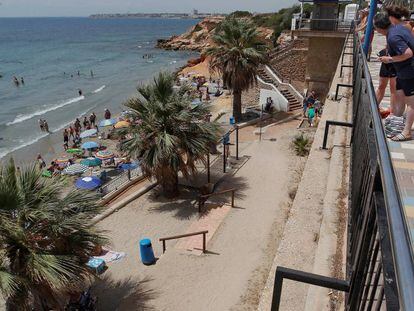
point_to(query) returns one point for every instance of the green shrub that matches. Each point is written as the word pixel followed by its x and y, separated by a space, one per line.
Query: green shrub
pixel 301 145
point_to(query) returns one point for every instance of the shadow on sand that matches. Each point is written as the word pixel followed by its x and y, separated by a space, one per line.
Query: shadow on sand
pixel 124 295
pixel 186 205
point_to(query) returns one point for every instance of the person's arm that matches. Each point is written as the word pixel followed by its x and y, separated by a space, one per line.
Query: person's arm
pixel 400 47
pixel 408 53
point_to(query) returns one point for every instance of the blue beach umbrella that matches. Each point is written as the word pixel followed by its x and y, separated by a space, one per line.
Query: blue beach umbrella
pixel 88 183
pixel 88 133
pixel 107 122
pixel 91 162
pixel 89 145
pixel 128 166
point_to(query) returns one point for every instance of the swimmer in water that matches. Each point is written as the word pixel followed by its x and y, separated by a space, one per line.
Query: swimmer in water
pixel 91 73
pixel 16 81
pixel 80 92
pixel 22 80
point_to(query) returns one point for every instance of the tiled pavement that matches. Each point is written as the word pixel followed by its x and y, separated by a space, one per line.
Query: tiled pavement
pixel 402 154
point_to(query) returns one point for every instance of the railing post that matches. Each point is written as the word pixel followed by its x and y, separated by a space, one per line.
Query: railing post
pixel 204 242
pixel 129 174
pixel 208 167
pixel 199 205
pixel 224 156
pixel 163 246
pixel 277 290
pixel 237 142
pixel 232 198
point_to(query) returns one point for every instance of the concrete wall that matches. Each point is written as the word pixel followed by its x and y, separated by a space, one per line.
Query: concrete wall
pixel 323 57
pixel 280 103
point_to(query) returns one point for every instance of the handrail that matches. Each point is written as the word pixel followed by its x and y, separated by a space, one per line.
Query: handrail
pixel 400 242
pixel 204 232
pixel 206 196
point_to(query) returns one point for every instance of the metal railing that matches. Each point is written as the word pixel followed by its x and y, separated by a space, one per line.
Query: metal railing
pixel 119 181
pixel 380 263
pixel 322 24
pixel 379 258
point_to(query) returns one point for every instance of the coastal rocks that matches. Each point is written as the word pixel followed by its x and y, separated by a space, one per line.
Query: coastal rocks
pixel 196 39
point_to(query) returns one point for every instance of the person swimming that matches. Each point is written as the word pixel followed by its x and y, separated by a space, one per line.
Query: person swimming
pixel 80 92
pixel 22 80
pixel 16 81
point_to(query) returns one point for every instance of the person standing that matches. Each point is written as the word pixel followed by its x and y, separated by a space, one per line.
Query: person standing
pixel 91 74
pixel 400 44
pixel 40 161
pixel 71 131
pixel 46 126
pixel 65 139
pixel 41 125
pixel 107 114
pixel 92 119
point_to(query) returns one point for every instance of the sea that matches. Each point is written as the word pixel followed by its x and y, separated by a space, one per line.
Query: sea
pixel 55 57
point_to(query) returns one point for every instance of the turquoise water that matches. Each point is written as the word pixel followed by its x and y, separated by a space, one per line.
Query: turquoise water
pixel 49 52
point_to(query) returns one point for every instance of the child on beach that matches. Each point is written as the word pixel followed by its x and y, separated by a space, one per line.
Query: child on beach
pixel 40 161
pixel 71 132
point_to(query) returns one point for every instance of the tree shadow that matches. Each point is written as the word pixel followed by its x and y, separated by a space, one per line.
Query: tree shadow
pixel 184 207
pixel 127 294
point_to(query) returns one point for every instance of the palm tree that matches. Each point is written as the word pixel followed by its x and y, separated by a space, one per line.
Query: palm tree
pixel 403 3
pixel 237 54
pixel 169 135
pixel 46 238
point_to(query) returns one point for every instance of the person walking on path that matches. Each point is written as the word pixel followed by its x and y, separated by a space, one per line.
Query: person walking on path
pixel 400 43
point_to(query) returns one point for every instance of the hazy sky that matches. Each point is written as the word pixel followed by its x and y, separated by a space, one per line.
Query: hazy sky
pixel 10 8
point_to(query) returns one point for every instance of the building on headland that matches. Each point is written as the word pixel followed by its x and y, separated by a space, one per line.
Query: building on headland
pixel 376 262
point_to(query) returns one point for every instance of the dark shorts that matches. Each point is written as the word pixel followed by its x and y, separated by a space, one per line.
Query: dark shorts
pixel 387 71
pixel 406 85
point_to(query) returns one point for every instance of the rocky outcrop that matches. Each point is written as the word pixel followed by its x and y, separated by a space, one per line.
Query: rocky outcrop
pixel 199 37
pixel 196 39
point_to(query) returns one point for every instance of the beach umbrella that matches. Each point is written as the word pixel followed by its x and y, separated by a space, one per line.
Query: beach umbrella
pixel 122 124
pixel 91 162
pixel 128 166
pixel 88 133
pixel 74 151
pixel 89 145
pixel 75 169
pixel 107 122
pixel 104 155
pixel 88 183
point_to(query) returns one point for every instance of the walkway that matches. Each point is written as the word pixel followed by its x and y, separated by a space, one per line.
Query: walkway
pixel 402 153
pixel 232 274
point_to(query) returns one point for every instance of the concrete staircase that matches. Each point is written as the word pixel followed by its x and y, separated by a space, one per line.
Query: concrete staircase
pixel 294 104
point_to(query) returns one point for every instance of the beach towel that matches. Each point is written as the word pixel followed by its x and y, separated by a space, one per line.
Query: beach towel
pixel 109 256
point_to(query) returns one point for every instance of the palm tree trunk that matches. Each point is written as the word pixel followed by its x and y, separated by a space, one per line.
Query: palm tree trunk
pixel 169 185
pixel 237 105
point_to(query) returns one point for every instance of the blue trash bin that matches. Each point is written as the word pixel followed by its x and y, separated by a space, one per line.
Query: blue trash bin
pixel 232 121
pixel 147 254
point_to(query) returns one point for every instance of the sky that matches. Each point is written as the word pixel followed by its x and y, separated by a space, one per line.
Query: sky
pixel 29 8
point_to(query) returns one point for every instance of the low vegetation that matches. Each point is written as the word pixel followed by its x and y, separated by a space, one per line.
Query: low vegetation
pixel 46 238
pixel 301 144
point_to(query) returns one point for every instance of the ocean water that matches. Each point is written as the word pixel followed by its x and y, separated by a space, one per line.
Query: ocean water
pixel 49 52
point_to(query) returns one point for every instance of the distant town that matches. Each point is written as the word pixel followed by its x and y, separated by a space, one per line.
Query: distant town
pixel 194 15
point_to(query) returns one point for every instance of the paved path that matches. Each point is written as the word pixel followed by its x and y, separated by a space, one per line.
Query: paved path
pixel 402 154
pixel 232 274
